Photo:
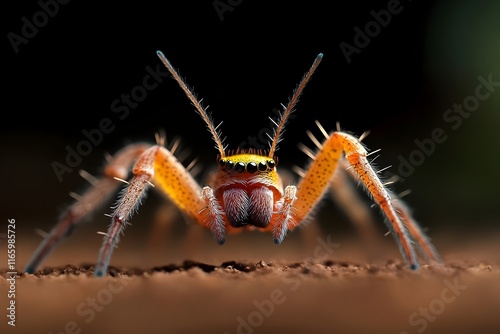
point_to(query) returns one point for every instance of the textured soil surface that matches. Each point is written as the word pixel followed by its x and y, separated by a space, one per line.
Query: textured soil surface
pixel 348 291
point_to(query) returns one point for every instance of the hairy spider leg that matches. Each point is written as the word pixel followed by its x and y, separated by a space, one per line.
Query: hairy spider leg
pixel 160 167
pixel 100 191
pixel 423 242
pixel 317 178
pixel 360 215
pixel 344 192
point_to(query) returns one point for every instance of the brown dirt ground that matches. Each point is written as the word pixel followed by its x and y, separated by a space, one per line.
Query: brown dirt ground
pixel 240 288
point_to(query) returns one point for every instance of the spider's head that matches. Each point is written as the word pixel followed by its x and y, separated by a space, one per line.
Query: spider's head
pixel 248 186
pixel 249 169
pixel 247 163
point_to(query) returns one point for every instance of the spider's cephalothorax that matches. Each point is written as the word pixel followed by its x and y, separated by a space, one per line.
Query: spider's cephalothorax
pixel 246 191
pixel 247 186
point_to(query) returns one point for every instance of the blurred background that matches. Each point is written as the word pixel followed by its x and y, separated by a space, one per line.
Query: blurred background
pixel 393 68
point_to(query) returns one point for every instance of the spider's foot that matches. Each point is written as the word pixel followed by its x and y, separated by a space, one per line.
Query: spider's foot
pixel 100 273
pixel 414 266
pixel 279 234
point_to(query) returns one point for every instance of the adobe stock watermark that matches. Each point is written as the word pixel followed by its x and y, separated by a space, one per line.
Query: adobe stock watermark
pixel 121 108
pixel 363 36
pixel 223 6
pixel 453 117
pixel 421 318
pixel 263 309
pixel 31 26
pixel 87 310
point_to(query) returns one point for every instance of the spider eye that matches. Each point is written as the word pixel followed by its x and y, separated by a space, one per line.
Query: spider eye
pixel 229 165
pixel 239 167
pixel 262 166
pixel 251 167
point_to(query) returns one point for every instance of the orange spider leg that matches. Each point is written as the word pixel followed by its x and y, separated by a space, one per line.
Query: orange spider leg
pixel 344 192
pixel 360 214
pixel 317 178
pixel 160 166
pixel 99 193
pixel 422 240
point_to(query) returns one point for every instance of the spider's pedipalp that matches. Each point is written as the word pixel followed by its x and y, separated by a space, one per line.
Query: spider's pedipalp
pixel 284 217
pixel 214 215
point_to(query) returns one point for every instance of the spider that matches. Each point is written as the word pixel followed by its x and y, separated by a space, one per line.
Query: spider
pixel 246 191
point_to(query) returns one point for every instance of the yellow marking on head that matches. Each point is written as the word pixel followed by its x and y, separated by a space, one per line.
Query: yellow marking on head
pixel 247 162
pixel 250 167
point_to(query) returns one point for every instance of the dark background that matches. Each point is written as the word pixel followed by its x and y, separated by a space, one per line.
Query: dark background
pixel 64 79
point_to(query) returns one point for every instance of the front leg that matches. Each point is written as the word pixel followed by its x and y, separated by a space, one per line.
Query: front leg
pixel 159 165
pixel 317 178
